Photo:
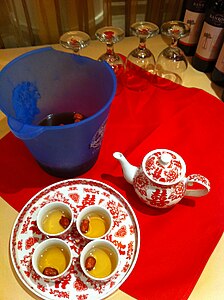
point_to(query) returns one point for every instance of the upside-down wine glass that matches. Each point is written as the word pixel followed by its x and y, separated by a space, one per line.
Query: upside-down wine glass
pixel 140 59
pixel 74 40
pixel 172 62
pixel 111 35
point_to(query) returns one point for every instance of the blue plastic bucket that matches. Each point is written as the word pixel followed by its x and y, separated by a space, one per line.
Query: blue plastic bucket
pixel 47 81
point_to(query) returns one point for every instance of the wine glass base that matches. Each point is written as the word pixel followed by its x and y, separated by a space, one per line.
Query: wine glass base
pixel 109 34
pixel 144 29
pixel 74 40
pixel 175 29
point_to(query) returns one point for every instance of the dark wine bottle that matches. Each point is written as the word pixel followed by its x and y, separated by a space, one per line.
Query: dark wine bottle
pixel 194 16
pixel 218 72
pixel 211 38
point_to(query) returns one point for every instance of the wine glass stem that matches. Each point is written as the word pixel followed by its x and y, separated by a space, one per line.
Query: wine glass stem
pixel 142 43
pixel 110 49
pixel 174 42
pixel 76 46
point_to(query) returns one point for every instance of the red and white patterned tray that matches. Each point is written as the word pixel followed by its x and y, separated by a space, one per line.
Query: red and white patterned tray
pixel 78 193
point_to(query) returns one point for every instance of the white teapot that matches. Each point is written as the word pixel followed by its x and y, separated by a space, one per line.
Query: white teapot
pixel 160 181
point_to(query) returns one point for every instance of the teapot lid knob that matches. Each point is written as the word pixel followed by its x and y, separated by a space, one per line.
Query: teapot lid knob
pixel 165 158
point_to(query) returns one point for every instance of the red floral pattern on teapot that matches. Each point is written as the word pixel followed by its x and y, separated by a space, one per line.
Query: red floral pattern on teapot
pixel 160 181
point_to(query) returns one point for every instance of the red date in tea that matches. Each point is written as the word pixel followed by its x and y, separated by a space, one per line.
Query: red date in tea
pixel 78 117
pixel 84 226
pixel 90 263
pixel 48 271
pixel 64 221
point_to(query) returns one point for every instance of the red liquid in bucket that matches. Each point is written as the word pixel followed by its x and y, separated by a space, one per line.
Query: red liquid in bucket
pixel 62 119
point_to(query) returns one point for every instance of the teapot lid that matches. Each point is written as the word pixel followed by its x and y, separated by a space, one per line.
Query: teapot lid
pixel 164 166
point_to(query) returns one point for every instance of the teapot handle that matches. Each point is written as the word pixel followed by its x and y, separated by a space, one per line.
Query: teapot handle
pixel 197 178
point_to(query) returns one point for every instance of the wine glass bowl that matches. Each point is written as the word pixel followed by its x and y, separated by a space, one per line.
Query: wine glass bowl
pixel 172 62
pixel 110 35
pixel 74 40
pixel 140 61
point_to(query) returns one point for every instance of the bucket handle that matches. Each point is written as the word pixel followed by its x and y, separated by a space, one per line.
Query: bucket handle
pixel 24 131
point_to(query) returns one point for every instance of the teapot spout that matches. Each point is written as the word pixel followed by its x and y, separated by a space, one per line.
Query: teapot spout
pixel 128 169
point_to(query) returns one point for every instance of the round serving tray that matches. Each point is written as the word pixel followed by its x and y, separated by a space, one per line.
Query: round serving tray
pixel 78 193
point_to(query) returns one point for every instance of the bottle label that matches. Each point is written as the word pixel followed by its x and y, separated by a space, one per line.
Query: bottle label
pixel 215 19
pixel 196 5
pixel 220 62
pixel 195 21
pixel 210 41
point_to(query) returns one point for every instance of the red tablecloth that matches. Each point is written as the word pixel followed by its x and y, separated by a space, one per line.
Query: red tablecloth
pixel 175 243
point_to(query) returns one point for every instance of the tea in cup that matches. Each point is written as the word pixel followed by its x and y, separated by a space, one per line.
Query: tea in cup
pixel 99 259
pixel 55 219
pixel 94 222
pixel 52 259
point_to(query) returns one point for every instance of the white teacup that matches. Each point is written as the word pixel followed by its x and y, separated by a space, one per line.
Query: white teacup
pixel 52 259
pixel 94 222
pixel 54 228
pixel 99 259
